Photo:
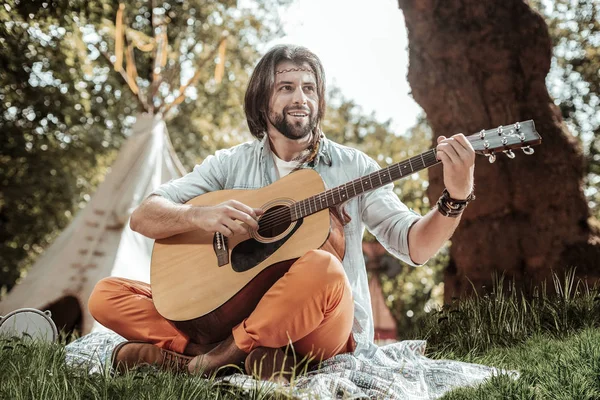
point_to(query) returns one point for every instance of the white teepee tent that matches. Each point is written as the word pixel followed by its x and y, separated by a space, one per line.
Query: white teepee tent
pixel 99 242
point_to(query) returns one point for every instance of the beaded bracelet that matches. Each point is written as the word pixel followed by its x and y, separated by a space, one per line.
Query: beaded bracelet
pixel 449 207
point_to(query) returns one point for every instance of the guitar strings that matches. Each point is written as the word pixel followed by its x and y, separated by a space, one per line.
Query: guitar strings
pixel 284 216
pixel 286 212
pixel 275 219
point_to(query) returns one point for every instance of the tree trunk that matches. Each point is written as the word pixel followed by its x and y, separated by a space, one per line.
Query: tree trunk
pixel 478 64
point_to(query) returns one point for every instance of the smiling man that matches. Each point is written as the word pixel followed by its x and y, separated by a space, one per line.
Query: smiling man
pixel 321 305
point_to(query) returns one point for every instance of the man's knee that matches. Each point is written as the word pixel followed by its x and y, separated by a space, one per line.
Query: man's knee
pixel 323 267
pixel 97 303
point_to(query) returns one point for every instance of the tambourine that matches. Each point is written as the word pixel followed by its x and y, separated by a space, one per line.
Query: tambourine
pixel 29 323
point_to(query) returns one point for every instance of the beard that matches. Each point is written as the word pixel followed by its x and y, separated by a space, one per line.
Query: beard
pixel 294 130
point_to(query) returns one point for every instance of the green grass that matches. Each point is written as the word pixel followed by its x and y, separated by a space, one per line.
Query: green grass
pixel 506 317
pixel 566 369
pixel 30 370
pixel 551 338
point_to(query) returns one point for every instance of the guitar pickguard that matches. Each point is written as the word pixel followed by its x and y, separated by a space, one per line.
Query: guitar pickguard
pixel 249 253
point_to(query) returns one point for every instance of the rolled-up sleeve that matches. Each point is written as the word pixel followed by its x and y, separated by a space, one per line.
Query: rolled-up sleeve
pixel 205 177
pixel 388 219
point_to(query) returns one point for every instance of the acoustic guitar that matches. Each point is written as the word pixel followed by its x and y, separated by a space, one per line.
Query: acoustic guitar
pixel 206 283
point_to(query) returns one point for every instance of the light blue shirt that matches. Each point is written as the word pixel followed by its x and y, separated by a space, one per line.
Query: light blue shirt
pixel 251 166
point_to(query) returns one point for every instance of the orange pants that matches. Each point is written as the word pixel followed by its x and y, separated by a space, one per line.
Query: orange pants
pixel 310 306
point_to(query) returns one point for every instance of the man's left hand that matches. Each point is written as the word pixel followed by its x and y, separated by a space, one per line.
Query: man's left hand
pixel 458 158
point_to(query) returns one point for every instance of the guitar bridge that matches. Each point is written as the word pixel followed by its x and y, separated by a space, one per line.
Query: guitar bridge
pixel 220 245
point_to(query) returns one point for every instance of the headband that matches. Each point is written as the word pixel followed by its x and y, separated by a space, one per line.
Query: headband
pixel 283 71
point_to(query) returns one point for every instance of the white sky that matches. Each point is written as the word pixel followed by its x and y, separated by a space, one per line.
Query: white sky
pixel 363 47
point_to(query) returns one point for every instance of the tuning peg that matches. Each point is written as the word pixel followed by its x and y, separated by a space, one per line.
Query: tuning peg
pixel 509 153
pixel 528 150
pixel 491 158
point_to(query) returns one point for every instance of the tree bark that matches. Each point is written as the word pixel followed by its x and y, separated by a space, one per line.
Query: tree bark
pixel 479 64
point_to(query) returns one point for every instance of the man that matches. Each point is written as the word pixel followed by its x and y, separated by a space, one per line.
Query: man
pixel 321 305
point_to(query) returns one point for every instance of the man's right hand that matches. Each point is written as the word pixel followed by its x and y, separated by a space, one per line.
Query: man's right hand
pixel 229 218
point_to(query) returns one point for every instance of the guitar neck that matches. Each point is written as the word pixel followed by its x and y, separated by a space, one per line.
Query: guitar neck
pixel 337 195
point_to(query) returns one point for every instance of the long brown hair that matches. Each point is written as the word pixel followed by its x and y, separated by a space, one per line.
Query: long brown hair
pixel 260 87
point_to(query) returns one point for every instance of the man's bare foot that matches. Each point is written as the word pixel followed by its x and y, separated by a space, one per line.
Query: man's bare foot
pixel 224 353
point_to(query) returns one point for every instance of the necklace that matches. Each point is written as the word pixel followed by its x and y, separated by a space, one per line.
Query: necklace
pixel 303 154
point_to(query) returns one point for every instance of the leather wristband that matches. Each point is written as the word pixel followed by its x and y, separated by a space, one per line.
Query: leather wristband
pixel 449 207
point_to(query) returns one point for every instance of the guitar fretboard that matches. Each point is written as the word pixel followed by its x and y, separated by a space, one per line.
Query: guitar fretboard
pixel 377 179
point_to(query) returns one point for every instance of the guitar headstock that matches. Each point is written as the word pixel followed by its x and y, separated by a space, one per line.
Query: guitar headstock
pixel 505 139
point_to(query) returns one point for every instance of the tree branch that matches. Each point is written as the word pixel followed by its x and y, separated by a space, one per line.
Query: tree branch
pixel 194 78
pixel 139 97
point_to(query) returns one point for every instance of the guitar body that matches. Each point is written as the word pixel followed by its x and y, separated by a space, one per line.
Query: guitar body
pixel 205 300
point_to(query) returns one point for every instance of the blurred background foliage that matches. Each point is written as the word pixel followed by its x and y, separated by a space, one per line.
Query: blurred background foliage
pixel 64 112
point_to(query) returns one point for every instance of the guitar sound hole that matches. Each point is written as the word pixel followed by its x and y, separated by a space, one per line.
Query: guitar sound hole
pixel 274 221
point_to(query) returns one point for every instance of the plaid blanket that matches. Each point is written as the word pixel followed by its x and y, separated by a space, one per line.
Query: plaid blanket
pixel 395 371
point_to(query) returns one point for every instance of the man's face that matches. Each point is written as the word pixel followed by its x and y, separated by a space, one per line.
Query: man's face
pixel 294 103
